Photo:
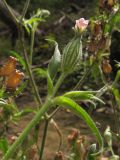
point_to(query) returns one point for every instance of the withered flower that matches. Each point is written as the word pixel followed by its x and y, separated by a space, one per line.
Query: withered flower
pixel 73 136
pixel 97 29
pixel 92 46
pixel 106 4
pixel 8 67
pixel 14 79
pixel 111 3
pixel 59 156
pixel 106 67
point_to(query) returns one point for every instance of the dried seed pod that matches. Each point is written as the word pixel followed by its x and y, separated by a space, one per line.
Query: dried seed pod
pixel 107 4
pixel 110 3
pixel 92 46
pixel 106 67
pixel 97 29
pixel 59 156
pixel 73 136
pixel 8 67
pixel 14 79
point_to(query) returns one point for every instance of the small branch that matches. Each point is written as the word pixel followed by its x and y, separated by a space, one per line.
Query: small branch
pixel 25 10
pixel 59 133
pixel 10 12
pixel 43 139
pixel 82 80
pixel 32 44
pixel 28 68
pixel 54 112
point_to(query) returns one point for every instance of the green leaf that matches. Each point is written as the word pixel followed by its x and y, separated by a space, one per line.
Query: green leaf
pixel 19 57
pixel 77 109
pixel 20 89
pixel 42 73
pixel 3 145
pixel 117 95
pixel 8 107
pixel 2 91
pixel 54 62
pixel 83 95
pixel 24 112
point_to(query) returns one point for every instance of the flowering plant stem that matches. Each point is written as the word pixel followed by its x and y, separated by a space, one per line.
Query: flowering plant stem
pixel 34 121
pixel 26 131
pixel 28 68
pixel 32 44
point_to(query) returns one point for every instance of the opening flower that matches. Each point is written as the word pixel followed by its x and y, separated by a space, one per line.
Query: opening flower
pixel 81 24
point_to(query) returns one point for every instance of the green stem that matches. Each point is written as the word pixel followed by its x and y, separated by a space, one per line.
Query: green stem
pixel 29 69
pixel 32 44
pixel 43 139
pixel 59 82
pixel 26 131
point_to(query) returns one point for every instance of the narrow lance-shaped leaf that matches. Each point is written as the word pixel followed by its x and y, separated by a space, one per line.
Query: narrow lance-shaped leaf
pixel 54 62
pixel 77 109
pixel 83 95
pixel 42 73
pixel 3 145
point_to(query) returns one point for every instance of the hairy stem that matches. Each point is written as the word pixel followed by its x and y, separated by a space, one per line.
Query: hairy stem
pixel 26 131
pixel 60 80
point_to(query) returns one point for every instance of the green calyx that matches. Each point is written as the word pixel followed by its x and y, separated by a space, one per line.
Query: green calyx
pixel 72 54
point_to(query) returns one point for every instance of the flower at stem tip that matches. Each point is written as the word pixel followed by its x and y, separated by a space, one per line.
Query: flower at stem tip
pixel 81 25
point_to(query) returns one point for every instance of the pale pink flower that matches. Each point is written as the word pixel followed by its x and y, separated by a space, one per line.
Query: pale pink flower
pixel 81 24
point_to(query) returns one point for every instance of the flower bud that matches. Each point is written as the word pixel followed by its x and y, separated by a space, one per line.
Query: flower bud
pixel 14 79
pixel 81 25
pixel 8 67
pixel 108 136
pixel 72 54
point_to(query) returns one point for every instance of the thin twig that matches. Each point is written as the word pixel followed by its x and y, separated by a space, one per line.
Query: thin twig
pixel 43 139
pixel 25 10
pixel 59 133
pixel 82 80
pixel 10 12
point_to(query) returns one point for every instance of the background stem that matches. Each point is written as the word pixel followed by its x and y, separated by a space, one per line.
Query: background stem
pixel 32 45
pixel 43 139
